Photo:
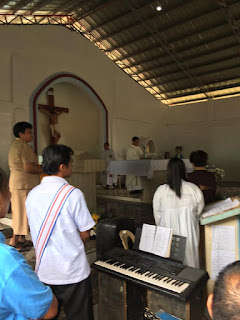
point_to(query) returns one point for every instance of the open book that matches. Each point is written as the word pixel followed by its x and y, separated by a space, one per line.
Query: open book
pixel 156 240
pixel 220 206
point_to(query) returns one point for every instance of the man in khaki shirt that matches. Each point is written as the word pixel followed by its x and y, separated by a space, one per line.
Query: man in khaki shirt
pixel 24 175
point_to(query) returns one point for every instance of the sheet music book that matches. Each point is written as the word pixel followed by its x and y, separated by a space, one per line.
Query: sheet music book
pixel 220 206
pixel 156 240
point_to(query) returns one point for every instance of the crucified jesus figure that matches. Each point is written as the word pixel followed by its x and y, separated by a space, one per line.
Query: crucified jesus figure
pixel 53 112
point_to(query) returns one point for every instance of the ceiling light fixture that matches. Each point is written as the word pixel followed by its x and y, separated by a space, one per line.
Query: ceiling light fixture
pixel 159 8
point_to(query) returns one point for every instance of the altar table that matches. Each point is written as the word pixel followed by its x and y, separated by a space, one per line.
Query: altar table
pixel 144 168
pixel 154 171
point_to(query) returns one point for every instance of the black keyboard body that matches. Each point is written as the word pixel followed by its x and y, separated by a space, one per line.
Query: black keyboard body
pixel 156 265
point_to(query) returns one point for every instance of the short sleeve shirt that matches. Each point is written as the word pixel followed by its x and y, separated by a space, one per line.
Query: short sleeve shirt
pixel 22 295
pixel 64 260
pixel 21 152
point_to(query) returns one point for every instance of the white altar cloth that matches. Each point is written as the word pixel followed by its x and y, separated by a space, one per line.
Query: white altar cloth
pixel 144 168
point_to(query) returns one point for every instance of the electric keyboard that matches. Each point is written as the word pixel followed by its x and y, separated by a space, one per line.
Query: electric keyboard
pixel 152 271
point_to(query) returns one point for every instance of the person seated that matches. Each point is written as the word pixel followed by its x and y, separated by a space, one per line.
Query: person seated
pixel 178 205
pixel 224 303
pixel 201 177
pixel 23 296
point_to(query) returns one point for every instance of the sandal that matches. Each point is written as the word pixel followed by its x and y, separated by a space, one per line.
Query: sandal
pixel 26 243
pixel 20 248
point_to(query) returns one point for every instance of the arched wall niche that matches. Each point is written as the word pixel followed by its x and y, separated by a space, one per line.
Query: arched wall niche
pixel 58 80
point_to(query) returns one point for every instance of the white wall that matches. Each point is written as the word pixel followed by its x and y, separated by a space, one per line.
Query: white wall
pixel 31 54
pixel 212 126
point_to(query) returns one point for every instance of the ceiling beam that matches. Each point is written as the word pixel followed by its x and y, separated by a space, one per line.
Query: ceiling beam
pixel 214 86
pixel 212 58
pixel 149 18
pixel 210 75
pixel 218 29
pixel 205 85
pixel 197 48
pixel 198 100
pixel 185 94
pixel 176 57
pixel 193 68
pixel 162 31
pixel 230 19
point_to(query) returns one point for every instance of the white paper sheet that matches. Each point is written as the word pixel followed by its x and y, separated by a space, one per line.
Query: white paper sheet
pixel 161 242
pixel 147 237
pixel 221 259
pixel 223 248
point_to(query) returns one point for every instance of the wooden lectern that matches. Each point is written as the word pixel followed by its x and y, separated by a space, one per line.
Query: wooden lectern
pixel 84 177
pixel 225 228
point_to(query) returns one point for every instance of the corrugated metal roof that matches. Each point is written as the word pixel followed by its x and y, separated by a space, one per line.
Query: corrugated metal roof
pixel 189 51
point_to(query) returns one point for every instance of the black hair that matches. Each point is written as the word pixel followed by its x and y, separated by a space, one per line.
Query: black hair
pixel 21 127
pixel 199 158
pixel 178 148
pixel 106 144
pixel 55 155
pixel 226 300
pixel 176 172
pixel 135 138
pixel 3 183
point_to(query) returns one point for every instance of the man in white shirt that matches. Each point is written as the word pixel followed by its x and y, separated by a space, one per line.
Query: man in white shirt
pixel 108 180
pixel 60 225
pixel 134 183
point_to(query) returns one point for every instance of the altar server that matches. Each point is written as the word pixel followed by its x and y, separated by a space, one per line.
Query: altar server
pixel 134 183
pixel 178 205
pixel 108 180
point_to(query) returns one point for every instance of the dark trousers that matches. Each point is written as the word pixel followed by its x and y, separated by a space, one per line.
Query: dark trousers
pixel 76 300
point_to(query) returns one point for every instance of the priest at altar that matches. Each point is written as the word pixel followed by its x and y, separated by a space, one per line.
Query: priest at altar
pixel 134 183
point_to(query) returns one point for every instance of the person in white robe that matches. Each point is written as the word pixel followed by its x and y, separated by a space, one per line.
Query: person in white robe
pixel 134 152
pixel 178 205
pixel 108 180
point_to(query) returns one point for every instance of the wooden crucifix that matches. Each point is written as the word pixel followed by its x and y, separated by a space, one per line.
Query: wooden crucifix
pixel 52 112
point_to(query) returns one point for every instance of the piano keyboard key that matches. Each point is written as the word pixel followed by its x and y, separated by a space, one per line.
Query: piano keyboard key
pixel 145 276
